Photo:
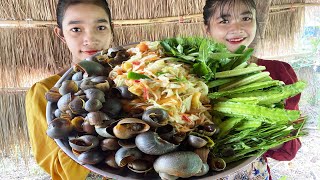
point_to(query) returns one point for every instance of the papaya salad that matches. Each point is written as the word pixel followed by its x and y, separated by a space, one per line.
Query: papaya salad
pixel 163 83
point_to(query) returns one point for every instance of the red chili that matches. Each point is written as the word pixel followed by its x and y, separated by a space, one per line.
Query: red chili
pixel 136 63
pixel 145 93
pixel 186 118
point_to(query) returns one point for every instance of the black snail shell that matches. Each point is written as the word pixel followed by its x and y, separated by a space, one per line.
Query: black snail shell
pixel 91 157
pixel 151 143
pixel 123 92
pixel 126 155
pixel 179 164
pixel 130 127
pixel 155 117
pixel 59 128
pixel 84 143
pixel 112 107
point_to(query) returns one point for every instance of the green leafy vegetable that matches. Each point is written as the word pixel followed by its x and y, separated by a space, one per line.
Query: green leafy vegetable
pixel 136 76
pixel 247 104
pixel 255 112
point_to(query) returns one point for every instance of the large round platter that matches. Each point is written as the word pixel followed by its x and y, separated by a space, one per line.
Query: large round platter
pixel 125 173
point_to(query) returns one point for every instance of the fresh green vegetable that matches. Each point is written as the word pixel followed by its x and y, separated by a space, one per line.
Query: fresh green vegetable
pixel 243 65
pixel 227 125
pixel 248 124
pixel 204 55
pixel 247 104
pixel 246 55
pixel 274 95
pixel 220 82
pixel 238 72
pixel 218 56
pixel 255 141
pixel 136 76
pixel 247 80
pixel 246 88
pixel 247 100
pixel 252 65
pixel 255 112
pixel 240 49
pixel 229 65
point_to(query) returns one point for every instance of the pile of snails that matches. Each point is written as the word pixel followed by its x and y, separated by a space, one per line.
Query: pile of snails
pixel 102 127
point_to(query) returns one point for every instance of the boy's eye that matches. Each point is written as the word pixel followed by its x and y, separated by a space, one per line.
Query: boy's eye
pixel 75 29
pixel 102 28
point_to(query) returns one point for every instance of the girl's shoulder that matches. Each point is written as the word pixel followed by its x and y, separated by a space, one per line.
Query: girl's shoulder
pixel 279 70
pixel 50 81
pixel 43 86
pixel 268 62
pixel 265 62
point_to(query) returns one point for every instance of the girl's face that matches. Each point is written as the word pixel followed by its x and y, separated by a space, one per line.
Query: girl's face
pixel 86 30
pixel 233 26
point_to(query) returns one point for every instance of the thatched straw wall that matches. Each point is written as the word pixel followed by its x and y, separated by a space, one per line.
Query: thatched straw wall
pixel 282 29
pixel 151 31
pixel 28 54
pixel 142 9
pixel 30 51
pixel 13 131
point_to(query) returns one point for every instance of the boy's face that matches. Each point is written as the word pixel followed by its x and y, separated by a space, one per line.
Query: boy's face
pixel 86 30
pixel 234 26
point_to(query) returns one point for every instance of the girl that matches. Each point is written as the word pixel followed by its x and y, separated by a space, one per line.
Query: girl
pixel 233 23
pixel 85 27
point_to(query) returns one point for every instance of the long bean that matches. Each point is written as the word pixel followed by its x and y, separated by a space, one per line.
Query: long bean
pixel 238 72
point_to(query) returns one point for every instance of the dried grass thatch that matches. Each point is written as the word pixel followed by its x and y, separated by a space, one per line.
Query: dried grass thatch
pixel 28 9
pixel 13 131
pixel 121 9
pixel 31 53
pixel 156 31
pixel 141 9
pixel 282 29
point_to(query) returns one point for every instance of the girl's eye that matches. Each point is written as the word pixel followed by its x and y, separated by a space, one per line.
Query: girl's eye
pixel 76 30
pixel 247 18
pixel 101 28
pixel 224 21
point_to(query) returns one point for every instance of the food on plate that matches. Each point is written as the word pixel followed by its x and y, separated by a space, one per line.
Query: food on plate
pixel 179 100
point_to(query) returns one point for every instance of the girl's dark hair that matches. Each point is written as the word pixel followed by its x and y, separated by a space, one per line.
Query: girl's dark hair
pixel 64 4
pixel 211 7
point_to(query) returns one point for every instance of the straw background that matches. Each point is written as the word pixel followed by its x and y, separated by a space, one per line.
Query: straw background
pixel 31 52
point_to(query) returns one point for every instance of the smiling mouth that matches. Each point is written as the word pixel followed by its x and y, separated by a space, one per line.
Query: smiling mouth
pixel 92 52
pixel 236 40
